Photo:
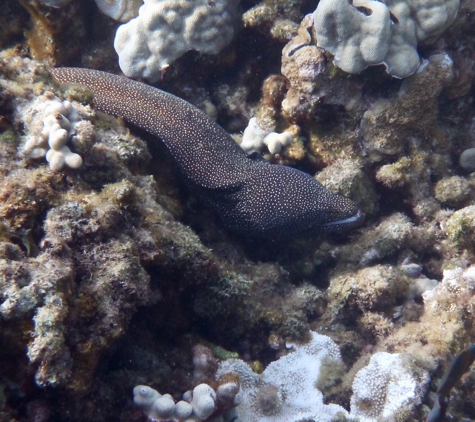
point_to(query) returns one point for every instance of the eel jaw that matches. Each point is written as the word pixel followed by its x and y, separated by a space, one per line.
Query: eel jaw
pixel 354 220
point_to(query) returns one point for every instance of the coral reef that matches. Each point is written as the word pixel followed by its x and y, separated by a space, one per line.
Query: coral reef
pixel 453 191
pixel 415 102
pixel 162 407
pixel 312 81
pixel 115 275
pixel 56 29
pixel 201 403
pixel 461 227
pixel 287 390
pixel 347 177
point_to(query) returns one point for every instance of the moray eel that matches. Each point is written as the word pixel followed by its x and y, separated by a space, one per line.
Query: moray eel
pixel 252 198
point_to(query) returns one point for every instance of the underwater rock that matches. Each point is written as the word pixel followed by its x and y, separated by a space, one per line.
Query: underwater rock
pixel 312 81
pixel 460 227
pixel 277 17
pixel 450 303
pixel 413 175
pixel 348 178
pixel 453 191
pixel 57 29
pixel 467 160
pixel 370 289
pixel 395 175
pixel 376 243
pixel 388 126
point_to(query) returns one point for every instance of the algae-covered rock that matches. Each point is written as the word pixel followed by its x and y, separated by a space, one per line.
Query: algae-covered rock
pixel 379 242
pixel 460 227
pixel 389 125
pixel 312 81
pixel 348 178
pixel 395 175
pixel 453 191
pixel 370 289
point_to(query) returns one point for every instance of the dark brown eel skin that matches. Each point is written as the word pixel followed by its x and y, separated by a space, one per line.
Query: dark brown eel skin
pixel 252 198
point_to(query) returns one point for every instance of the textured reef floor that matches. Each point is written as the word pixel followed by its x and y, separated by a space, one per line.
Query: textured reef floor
pixel 113 274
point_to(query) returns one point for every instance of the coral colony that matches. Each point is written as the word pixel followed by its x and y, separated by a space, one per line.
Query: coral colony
pixel 164 30
pixel 181 210
pixel 60 121
pixel 367 33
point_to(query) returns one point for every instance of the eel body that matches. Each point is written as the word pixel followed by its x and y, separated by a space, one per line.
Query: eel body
pixel 252 198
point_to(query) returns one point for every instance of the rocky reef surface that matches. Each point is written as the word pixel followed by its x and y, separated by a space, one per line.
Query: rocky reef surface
pixel 114 275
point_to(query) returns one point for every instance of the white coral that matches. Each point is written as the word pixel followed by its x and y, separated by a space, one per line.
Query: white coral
pixel 368 32
pixel 383 388
pixel 203 401
pixel 120 10
pixel 254 138
pixel 51 123
pixel 286 391
pixel 195 406
pixel 165 29
pixel 455 280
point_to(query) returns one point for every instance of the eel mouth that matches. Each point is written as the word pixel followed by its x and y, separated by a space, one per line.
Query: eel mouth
pixel 354 220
